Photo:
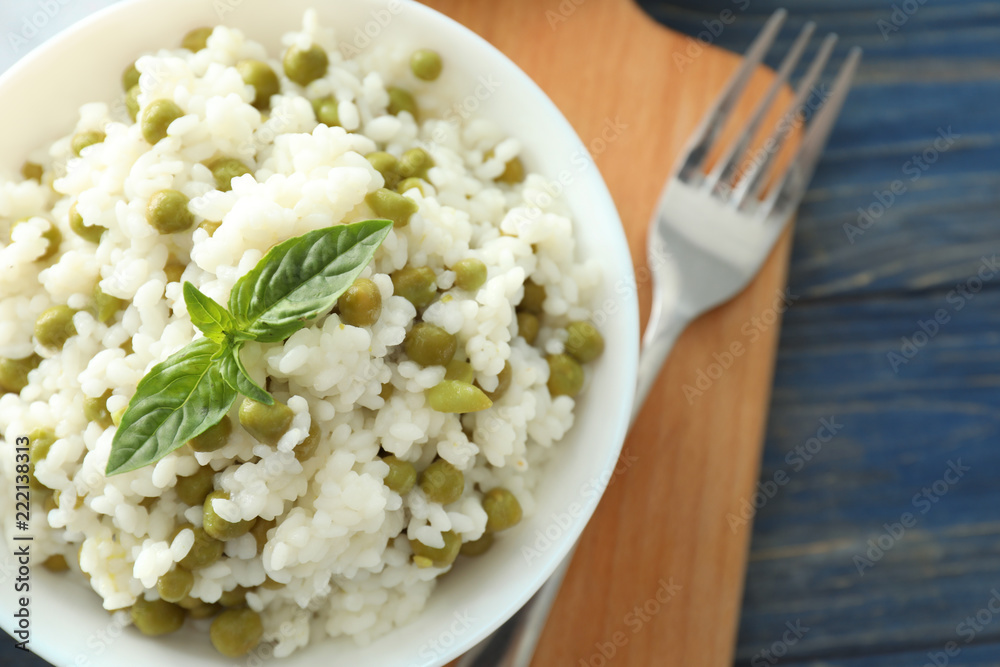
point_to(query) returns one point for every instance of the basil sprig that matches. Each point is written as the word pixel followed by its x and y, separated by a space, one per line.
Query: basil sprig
pixel 193 389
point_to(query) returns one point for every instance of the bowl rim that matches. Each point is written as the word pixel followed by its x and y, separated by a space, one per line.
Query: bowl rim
pixel 80 31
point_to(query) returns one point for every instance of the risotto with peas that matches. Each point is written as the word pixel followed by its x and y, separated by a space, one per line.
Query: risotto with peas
pixel 287 341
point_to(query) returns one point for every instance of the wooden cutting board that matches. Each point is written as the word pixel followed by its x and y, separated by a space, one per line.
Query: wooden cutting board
pixel 658 576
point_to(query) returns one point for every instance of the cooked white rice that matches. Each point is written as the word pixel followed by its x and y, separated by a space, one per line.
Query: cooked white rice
pixel 341 543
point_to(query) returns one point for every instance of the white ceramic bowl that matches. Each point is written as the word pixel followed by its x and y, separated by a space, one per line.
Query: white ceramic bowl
pixel 82 64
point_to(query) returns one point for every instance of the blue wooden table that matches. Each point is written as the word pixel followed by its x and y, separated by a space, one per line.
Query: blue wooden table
pixel 884 546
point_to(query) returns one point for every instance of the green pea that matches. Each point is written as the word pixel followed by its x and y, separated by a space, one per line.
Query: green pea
pixel 460 371
pixel 513 172
pixel 307 448
pixel 209 226
pixel 584 341
pixel 327 110
pixel 303 66
pixel 266 423
pixel 218 527
pixel 416 284
pixel 96 410
pixel 263 79
pixel 565 375
pixel 534 298
pixel 442 482
pixel 175 585
pixel 199 609
pixel 361 304
pixel 189 603
pixel 259 532
pixel 157 117
pixel 477 547
pixel 387 391
pixel 116 416
pixel 205 551
pixel 167 212
pixel 130 77
pixel 204 611
pixel 14 373
pixel 470 274
pixel 528 326
pixel 54 238
pixel 401 100
pixel 156 617
pixel 55 326
pixel 425 556
pixel 430 345
pixel 387 165
pixel 91 233
pixel 457 397
pixel 235 597
pixel 503 383
pixel 236 632
pixel 193 489
pixel 81 140
pixel 392 205
pixel 502 509
pixel 426 64
pixel 412 183
pixel 415 162
pixel 214 438
pixel 32 171
pixel 132 102
pixel 272 585
pixel 105 305
pixel 196 39
pixel 56 563
pixel 52 235
pixel 40 441
pixel 224 170
pixel 402 475
pixel 174 269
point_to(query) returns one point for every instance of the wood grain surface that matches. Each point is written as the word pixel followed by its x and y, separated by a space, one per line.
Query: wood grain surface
pixel 659 571
pixel 860 297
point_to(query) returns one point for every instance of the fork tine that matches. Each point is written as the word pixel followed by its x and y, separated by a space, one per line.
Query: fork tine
pixel 754 179
pixel 730 161
pixel 790 190
pixel 708 131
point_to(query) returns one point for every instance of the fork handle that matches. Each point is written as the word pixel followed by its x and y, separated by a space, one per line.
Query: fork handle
pixel 662 331
pixel 513 644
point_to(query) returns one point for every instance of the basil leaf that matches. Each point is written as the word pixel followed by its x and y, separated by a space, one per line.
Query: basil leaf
pixel 236 376
pixel 194 388
pixel 212 319
pixel 178 399
pixel 302 278
pixel 268 333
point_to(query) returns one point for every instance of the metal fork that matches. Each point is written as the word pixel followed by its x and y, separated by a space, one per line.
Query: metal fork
pixel 717 229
